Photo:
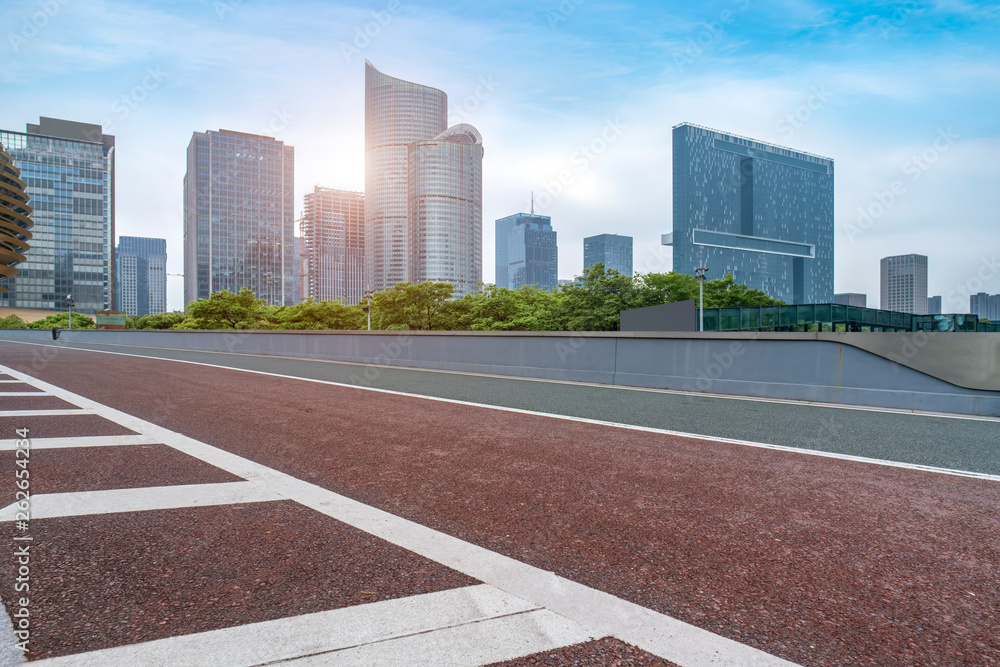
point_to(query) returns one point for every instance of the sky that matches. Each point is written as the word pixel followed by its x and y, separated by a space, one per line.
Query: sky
pixel 903 96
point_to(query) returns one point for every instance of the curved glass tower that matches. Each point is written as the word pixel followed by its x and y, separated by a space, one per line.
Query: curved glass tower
pixel 445 176
pixel 14 221
pixel 397 113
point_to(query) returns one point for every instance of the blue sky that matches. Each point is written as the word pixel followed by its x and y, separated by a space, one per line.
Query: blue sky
pixel 904 96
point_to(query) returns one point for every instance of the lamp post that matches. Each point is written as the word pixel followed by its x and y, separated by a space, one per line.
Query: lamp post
pixel 368 308
pixel 699 273
pixel 69 304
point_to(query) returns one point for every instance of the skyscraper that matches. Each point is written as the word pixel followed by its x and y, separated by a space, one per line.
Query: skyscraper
pixel 761 212
pixel 904 284
pixel 333 243
pixel 526 252
pixel 69 171
pixel 611 250
pixel 445 220
pixel 15 220
pixel 239 218
pixel 986 306
pixel 142 275
pixel 851 299
pixel 934 305
pixel 397 113
pixel 423 188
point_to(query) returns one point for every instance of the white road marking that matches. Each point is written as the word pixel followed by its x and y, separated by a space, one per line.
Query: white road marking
pixel 598 422
pixel 43 413
pixel 345 631
pixel 112 501
pixel 11 382
pixel 600 614
pixel 22 393
pixel 652 390
pixel 81 441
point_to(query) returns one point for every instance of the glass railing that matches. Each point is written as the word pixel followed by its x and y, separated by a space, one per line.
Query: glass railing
pixel 835 317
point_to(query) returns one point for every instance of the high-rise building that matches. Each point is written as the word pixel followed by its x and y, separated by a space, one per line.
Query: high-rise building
pixel 904 284
pixel 333 244
pixel 142 275
pixel 397 113
pixel 526 252
pixel 15 219
pixel 851 299
pixel 445 220
pixel 69 171
pixel 934 305
pixel 611 250
pixel 421 182
pixel 986 306
pixel 239 220
pixel 761 212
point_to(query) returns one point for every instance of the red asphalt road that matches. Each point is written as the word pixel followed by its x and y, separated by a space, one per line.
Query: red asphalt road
pixel 819 561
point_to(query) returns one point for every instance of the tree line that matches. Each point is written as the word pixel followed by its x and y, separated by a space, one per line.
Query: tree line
pixel 591 303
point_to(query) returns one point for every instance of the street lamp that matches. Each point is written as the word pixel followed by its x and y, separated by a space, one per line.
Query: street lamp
pixel 69 304
pixel 699 273
pixel 368 308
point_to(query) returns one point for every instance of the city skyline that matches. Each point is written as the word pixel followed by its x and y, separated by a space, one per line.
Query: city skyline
pixel 599 108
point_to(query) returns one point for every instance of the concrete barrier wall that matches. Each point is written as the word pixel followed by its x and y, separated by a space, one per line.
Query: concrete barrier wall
pixel 786 366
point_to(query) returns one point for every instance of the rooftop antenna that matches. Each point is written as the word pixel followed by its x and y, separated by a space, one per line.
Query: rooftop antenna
pixel 532 202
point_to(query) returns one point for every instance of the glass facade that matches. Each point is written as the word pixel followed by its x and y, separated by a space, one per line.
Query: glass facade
pixel 142 275
pixel 15 219
pixel 239 221
pixel 68 171
pixel 834 317
pixel 527 252
pixel 397 113
pixel 445 227
pixel 611 250
pixel 904 284
pixel 761 212
pixel 333 245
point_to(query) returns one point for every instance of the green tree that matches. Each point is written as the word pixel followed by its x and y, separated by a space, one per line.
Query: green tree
pixel 312 314
pixel 594 300
pixel 499 309
pixel 226 310
pixel 12 322
pixel 62 320
pixel 157 321
pixel 727 293
pixel 412 306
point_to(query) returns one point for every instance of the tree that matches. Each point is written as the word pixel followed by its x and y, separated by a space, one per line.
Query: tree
pixel 411 306
pixel 156 320
pixel 12 322
pixel 225 310
pixel 727 293
pixel 499 309
pixel 594 300
pixel 312 314
pixel 62 320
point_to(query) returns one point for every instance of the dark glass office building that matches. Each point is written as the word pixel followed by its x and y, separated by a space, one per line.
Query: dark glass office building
pixel 611 250
pixel 526 252
pixel 68 169
pixel 142 275
pixel 239 219
pixel 761 212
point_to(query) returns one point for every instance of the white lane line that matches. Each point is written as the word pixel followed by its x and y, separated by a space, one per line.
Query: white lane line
pixel 113 501
pixel 469 645
pixel 22 393
pixel 579 383
pixel 596 422
pixel 81 441
pixel 600 613
pixel 318 634
pixel 43 413
pixel 11 382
